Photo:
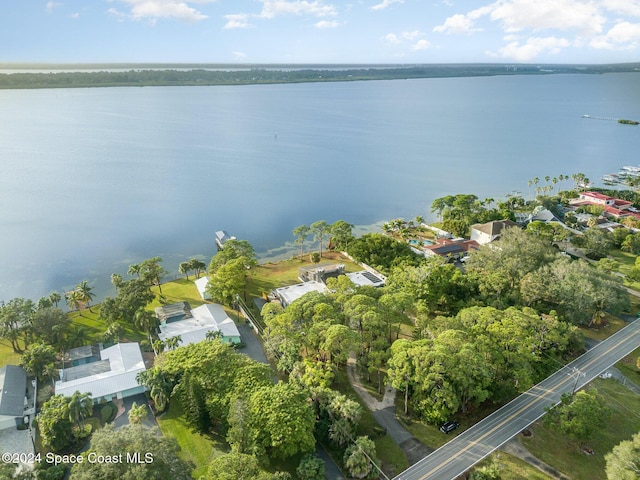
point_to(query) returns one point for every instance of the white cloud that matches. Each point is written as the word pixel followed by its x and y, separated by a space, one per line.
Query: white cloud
pixel 623 35
pixel 456 24
pixel 75 15
pixel 391 38
pixel 237 20
pixel 156 9
pixel 239 55
pixel 52 5
pixel 413 35
pixel 623 7
pixel 537 15
pixel 275 8
pixel 421 45
pixel 533 47
pixel 385 3
pixel 327 24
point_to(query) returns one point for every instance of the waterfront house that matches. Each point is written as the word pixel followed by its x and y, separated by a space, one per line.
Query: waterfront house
pixel 201 286
pixel 17 407
pixel 173 312
pixel 447 248
pixel 484 233
pixel 203 319
pixel 109 375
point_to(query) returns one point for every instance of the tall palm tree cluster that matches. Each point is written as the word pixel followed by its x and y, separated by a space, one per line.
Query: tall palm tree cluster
pixel 579 181
pixel 80 297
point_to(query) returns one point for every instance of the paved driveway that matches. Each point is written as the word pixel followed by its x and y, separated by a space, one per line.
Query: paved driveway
pixel 140 399
pixel 253 345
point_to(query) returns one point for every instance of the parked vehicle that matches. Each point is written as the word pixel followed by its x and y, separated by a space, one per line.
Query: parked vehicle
pixel 449 426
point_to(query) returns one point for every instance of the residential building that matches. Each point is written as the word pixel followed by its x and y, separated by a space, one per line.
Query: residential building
pixel 201 320
pixel 484 233
pixel 110 375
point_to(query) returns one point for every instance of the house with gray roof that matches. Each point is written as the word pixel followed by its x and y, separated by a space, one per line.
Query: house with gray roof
pixel 484 233
pixel 13 396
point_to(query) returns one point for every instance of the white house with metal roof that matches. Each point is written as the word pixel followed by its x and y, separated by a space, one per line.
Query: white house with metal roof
pixel 205 318
pixel 113 376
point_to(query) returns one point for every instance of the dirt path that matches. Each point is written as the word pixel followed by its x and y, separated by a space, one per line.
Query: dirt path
pixel 384 411
pixel 515 448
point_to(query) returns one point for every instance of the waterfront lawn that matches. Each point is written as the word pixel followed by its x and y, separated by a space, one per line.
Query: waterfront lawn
pixel 90 320
pixel 568 457
pixel 195 447
pixel 268 276
pixel 180 290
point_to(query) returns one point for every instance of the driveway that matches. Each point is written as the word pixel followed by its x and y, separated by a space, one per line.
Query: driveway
pixel 123 418
pixel 253 345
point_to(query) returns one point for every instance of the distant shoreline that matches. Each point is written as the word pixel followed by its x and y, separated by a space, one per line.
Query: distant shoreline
pixel 36 76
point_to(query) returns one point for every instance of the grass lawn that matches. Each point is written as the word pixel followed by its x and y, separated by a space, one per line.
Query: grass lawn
pixel 512 468
pixel 613 325
pixel 180 290
pixel 629 366
pixel 626 260
pixel 7 355
pixel 567 456
pixel 268 276
pixel 194 447
pixel 89 319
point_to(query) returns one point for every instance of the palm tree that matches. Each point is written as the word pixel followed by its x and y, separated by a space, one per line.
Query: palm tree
pixel 55 298
pixel 146 321
pixel 213 334
pixel 197 266
pixel 78 336
pixel 173 342
pixel 74 300
pixel 80 407
pixel 85 292
pixel 301 233
pixel 137 414
pixel 158 384
pixel 116 280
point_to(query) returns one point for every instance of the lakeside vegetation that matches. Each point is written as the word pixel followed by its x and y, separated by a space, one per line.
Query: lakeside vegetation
pixel 192 75
pixel 453 339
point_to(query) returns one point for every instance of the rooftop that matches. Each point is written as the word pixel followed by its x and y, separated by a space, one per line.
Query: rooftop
pixel 13 390
pixel 291 293
pixel 203 319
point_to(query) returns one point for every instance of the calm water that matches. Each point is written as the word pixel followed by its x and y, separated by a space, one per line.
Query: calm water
pixel 93 180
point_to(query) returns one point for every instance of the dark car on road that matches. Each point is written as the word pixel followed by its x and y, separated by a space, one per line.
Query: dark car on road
pixel 449 427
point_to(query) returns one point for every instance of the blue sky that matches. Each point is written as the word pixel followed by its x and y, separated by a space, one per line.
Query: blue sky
pixel 320 31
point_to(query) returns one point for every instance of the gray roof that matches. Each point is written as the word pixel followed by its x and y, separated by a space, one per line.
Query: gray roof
pixel 13 385
pixel 179 310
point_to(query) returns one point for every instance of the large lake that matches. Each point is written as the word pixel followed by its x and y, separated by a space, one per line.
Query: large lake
pixel 92 180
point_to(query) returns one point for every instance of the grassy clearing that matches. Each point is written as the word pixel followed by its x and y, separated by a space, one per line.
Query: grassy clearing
pixel 180 290
pixel 7 355
pixel 512 468
pixel 568 457
pixel 629 366
pixel 194 447
pixel 613 324
pixel 627 261
pixel 268 276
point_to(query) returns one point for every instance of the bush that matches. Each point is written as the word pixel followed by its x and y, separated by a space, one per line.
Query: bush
pixel 108 412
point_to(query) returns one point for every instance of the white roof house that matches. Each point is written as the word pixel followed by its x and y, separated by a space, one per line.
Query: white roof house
pixel 201 285
pixel 205 318
pixel 286 295
pixel 365 277
pixel 114 375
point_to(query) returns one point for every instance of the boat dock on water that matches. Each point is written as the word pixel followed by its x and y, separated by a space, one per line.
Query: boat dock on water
pixel 223 237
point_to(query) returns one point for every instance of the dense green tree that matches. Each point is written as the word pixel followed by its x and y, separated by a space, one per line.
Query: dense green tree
pixel 456 226
pixel 382 252
pixel 499 267
pixel 341 234
pixel 228 281
pixel 608 265
pixel 631 243
pixel 619 236
pixel 198 266
pixel 39 361
pixel 359 459
pixel 580 415
pixel 233 249
pixel 56 430
pixel 49 324
pixel 236 466
pixel 132 296
pixel 623 462
pixel 595 242
pixel 311 467
pixel 401 369
pixel 555 286
pixel 151 272
pixel 151 456
pixel 282 420
pixel 160 385
pixel 15 321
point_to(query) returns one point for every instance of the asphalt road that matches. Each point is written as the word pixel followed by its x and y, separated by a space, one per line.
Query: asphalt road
pixel 471 446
